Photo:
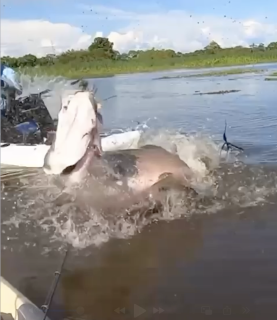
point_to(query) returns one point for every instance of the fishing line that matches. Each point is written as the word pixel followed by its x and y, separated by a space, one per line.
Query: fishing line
pixel 111 97
pixel 94 90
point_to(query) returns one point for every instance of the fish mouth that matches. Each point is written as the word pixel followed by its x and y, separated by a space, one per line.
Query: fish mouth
pixel 77 134
pixel 68 170
pixel 91 152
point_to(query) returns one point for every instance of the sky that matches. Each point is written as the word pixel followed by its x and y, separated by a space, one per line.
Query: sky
pixel 53 26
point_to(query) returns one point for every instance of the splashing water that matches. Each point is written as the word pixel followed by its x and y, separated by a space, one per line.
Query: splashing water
pixel 57 85
pixel 81 224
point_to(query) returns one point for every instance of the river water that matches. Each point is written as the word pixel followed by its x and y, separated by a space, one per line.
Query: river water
pixel 214 255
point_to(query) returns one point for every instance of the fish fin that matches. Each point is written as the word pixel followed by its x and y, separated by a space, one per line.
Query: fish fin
pixel 63 198
pixel 164 175
pixel 167 181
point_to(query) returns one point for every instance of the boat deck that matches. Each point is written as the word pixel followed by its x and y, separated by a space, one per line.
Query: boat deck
pixel 6 316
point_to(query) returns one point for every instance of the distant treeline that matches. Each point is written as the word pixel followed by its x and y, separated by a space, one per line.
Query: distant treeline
pixel 101 58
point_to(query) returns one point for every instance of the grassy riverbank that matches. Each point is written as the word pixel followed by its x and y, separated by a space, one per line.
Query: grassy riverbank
pixel 109 68
pixel 100 60
pixel 220 73
pixel 272 77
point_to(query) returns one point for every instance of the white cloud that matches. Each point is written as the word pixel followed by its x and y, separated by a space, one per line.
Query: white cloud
pixel 174 29
pixel 19 37
pixel 181 31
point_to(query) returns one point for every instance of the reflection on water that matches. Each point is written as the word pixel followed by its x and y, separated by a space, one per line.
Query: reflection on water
pixel 215 255
pixel 130 273
pixel 181 267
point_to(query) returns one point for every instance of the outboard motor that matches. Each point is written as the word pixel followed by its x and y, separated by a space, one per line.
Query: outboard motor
pixel 33 108
pixel 28 120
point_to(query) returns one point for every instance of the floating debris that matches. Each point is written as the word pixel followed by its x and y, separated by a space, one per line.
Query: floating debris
pixel 217 92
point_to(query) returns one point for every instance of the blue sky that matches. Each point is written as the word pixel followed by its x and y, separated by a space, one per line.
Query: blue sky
pixel 177 24
pixel 71 11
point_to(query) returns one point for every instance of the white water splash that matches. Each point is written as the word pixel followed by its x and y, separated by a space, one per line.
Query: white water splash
pixel 52 99
pixel 82 226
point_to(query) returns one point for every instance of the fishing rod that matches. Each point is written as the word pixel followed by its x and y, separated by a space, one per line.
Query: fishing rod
pixel 228 145
pixel 46 306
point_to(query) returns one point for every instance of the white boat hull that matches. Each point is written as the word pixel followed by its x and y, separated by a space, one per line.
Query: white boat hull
pixel 14 304
pixel 33 156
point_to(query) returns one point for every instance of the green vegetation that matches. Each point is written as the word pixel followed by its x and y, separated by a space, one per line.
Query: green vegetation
pixel 100 59
pixel 214 73
pixel 273 77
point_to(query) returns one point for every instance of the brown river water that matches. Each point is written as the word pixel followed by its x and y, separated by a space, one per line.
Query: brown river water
pixel 214 255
